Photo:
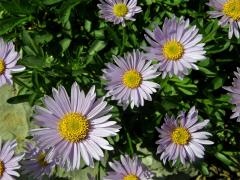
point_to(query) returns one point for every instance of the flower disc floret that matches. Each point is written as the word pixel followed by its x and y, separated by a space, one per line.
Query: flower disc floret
pixel 73 127
pixel 132 79
pixel 120 10
pixel 2 66
pixel 180 136
pixel 130 177
pixel 173 50
pixel 232 9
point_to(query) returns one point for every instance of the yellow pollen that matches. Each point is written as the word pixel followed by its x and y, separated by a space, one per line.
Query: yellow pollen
pixel 73 127
pixel 132 79
pixel 2 168
pixel 41 160
pixel 130 177
pixel 120 9
pixel 173 50
pixel 180 136
pixel 2 66
pixel 231 8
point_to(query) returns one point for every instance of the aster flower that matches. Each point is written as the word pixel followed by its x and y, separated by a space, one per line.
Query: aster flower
pixel 180 138
pixel 229 12
pixel 129 80
pixel 37 163
pixel 117 11
pixel 8 161
pixel 235 94
pixel 176 46
pixel 74 126
pixel 128 169
pixel 8 60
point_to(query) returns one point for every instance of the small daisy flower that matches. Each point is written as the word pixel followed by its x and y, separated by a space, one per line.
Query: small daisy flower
pixel 176 46
pixel 8 162
pixel 128 169
pixel 8 60
pixel 235 95
pixel 129 80
pixel 117 11
pixel 74 126
pixel 37 163
pixel 180 138
pixel 229 11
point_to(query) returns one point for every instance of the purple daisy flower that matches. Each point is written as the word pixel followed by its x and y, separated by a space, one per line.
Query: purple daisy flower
pixel 8 162
pixel 117 11
pixel 128 80
pixel 74 126
pixel 128 169
pixel 235 94
pixel 229 11
pixel 181 138
pixel 177 47
pixel 38 162
pixel 8 60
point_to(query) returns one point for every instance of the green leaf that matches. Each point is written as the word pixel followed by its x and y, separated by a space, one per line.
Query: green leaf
pixel 65 43
pixel 217 83
pixel 97 46
pixel 18 99
pixel 7 24
pixel 33 61
pixel 51 2
pixel 223 158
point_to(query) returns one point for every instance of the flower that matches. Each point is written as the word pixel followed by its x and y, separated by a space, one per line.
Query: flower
pixel 8 160
pixel 74 126
pixel 8 60
pixel 128 81
pixel 37 163
pixel 229 11
pixel 128 169
pixel 177 47
pixel 117 11
pixel 181 138
pixel 235 94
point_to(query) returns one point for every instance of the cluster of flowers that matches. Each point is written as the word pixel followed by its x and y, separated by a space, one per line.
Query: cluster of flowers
pixel 75 127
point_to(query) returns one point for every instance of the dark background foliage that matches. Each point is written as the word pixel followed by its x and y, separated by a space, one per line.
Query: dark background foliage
pixel 63 41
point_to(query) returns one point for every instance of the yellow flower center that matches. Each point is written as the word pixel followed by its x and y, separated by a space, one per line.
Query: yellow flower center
pixel 132 79
pixel 2 168
pixel 41 160
pixel 73 127
pixel 173 50
pixel 2 66
pixel 232 9
pixel 120 9
pixel 130 177
pixel 180 136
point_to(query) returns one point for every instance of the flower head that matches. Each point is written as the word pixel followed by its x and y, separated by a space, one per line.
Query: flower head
pixel 74 126
pixel 176 46
pixel 235 94
pixel 117 11
pixel 229 12
pixel 9 163
pixel 8 60
pixel 38 162
pixel 180 138
pixel 128 169
pixel 129 80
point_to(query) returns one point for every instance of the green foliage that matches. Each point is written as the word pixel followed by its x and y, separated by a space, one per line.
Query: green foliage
pixel 66 41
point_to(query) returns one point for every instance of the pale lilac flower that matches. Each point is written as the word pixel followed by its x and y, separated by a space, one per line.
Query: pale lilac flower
pixel 177 47
pixel 74 126
pixel 118 11
pixel 128 81
pixel 38 162
pixel 127 169
pixel 235 94
pixel 229 13
pixel 9 163
pixel 8 61
pixel 180 138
